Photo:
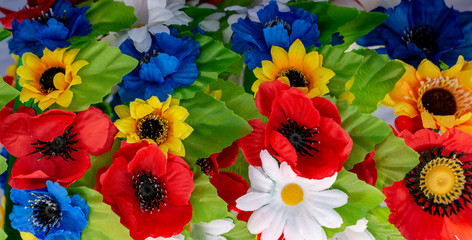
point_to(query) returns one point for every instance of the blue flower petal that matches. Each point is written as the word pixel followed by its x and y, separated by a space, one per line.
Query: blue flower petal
pixel 276 36
pixel 151 73
pixel 161 91
pixel 307 33
pixel 186 74
pixel 167 64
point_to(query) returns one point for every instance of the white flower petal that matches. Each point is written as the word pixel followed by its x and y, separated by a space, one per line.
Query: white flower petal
pixel 261 219
pixel 259 181
pixel 141 38
pixel 326 217
pixel 328 199
pixel 140 10
pixel 237 8
pixel 283 7
pixel 270 166
pixel 234 18
pixel 291 229
pixel 159 29
pixel 360 226
pixel 286 171
pixel 252 201
pixel 309 228
pixel 210 25
pixel 217 227
pixel 159 15
pixel 227 33
pixel 207 5
pixel 275 229
pixel 322 184
pixel 156 4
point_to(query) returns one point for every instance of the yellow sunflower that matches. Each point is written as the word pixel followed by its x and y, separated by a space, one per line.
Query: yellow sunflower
pixel 442 98
pixel 295 68
pixel 160 123
pixel 48 79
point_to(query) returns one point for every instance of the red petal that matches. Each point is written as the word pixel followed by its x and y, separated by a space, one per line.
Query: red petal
pixel 422 140
pixel 50 124
pixel 228 156
pixel 332 135
pixel 366 170
pixel 266 95
pixel 283 148
pixel 15 136
pixel 229 186
pixel 458 140
pixel 252 144
pixel 100 172
pixel 178 181
pixel 128 150
pixel 95 131
pixel 410 124
pixel 149 158
pixel 459 225
pixel 326 108
pixel 25 109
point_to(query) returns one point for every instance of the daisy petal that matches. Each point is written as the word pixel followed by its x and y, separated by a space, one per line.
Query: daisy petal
pixel 252 201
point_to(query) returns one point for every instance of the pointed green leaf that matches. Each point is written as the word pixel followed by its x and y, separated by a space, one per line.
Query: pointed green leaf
pixel 379 226
pixel 3 235
pixel 214 126
pixel 7 93
pixel 198 14
pixel 365 130
pixel 360 26
pixel 4 34
pixel 3 164
pixel 236 99
pixel 214 59
pixel 376 77
pixel 362 198
pixel 107 66
pixel 393 159
pixel 240 231
pixel 344 64
pixel 103 223
pixel 206 205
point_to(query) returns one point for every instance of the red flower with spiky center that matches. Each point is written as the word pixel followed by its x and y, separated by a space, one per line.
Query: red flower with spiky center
pixel 148 191
pixel 366 170
pixel 303 132
pixel 54 145
pixel 434 201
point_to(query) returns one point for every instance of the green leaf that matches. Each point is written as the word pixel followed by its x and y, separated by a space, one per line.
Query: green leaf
pixel 360 26
pixel 198 15
pixel 3 235
pixel 206 205
pixel 107 66
pixel 236 99
pixel 393 159
pixel 379 226
pixel 3 164
pixel 240 231
pixel 362 198
pixel 214 126
pixel 365 130
pixel 103 223
pixel 4 34
pixel 376 77
pixel 7 93
pixel 330 17
pixel 97 162
pixel 344 64
pixel 214 59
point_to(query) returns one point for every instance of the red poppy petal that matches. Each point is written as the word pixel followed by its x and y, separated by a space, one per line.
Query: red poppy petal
pixel 50 124
pixel 229 186
pixel 228 156
pixel 366 170
pixel 252 144
pixel 459 225
pixel 456 139
pixel 94 130
pixel 266 95
pixel 149 158
pixel 15 136
pixel 117 183
pixel 128 150
pixel 326 108
pixel 321 165
pixel 283 148
pixel 422 140
pixel 25 109
pixel 178 181
pixel 100 172
pixel 333 136
pixel 410 124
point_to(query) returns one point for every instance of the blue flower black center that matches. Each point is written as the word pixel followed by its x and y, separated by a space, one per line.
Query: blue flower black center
pixel 295 77
pixel 149 191
pixel 46 81
pixel 439 101
pixel 421 36
pixel 278 21
pixel 45 16
pixel 46 213
pixel 145 58
pixel 153 127
pixel 59 146
pixel 300 137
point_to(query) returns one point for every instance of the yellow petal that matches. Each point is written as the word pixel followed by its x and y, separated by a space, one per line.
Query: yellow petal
pixel 465 78
pixel 176 113
pixel 27 73
pixel 59 82
pixel 45 104
pixel 27 236
pixel 428 120
pixel 164 148
pixel 310 61
pixel 296 54
pixel 454 70
pixel 446 121
pixel 256 84
pixel 323 75
pixel 154 102
pixel 70 55
pixel 403 108
pixel 140 110
pixel 427 69
pixel 280 58
pixel 126 125
pixel 76 66
pixel 269 69
pixel 33 62
pixel 258 72
pixel 464 118
pixel 26 95
pixel 284 80
pixel 65 98
pixel 175 146
pixel 122 111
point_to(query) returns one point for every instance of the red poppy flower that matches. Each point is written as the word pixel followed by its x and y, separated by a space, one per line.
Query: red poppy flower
pixel 229 186
pixel 366 170
pixel 54 145
pixel 148 191
pixel 303 132
pixel 409 124
pixel 434 200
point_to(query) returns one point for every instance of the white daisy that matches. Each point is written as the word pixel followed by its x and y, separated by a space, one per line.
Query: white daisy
pixel 283 202
pixel 355 232
pixel 212 230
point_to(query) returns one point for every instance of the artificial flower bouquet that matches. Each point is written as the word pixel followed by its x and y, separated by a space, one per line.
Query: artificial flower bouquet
pixel 233 120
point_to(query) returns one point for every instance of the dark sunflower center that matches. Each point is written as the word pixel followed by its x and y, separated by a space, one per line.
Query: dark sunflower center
pixel 441 184
pixel 46 213
pixel 278 21
pixel 46 81
pixel 439 101
pixel 300 137
pixel 59 146
pixel 295 77
pixel 421 36
pixel 153 127
pixel 149 191
pixel 206 165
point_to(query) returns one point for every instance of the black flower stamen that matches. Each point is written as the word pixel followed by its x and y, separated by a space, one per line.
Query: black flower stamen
pixel 153 127
pixel 46 81
pixel 439 101
pixel 421 36
pixel 206 164
pixel 295 77
pixel 59 146
pixel 146 57
pixel 46 213
pixel 278 21
pixel 149 191
pixel 300 137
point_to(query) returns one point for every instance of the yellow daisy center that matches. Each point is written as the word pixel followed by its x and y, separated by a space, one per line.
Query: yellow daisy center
pixel 46 81
pixel 443 96
pixel 442 180
pixel 153 127
pixel 292 194
pixel 295 77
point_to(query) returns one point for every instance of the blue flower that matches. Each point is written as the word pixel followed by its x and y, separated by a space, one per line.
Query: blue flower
pixel 49 213
pixel 423 29
pixel 169 63
pixel 51 30
pixel 276 28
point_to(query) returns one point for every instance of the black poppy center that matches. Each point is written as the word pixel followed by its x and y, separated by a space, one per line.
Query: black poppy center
pixel 46 81
pixel 153 127
pixel 46 213
pixel 295 77
pixel 59 146
pixel 421 36
pixel 206 165
pixel 439 101
pixel 278 21
pixel 300 137
pixel 149 191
